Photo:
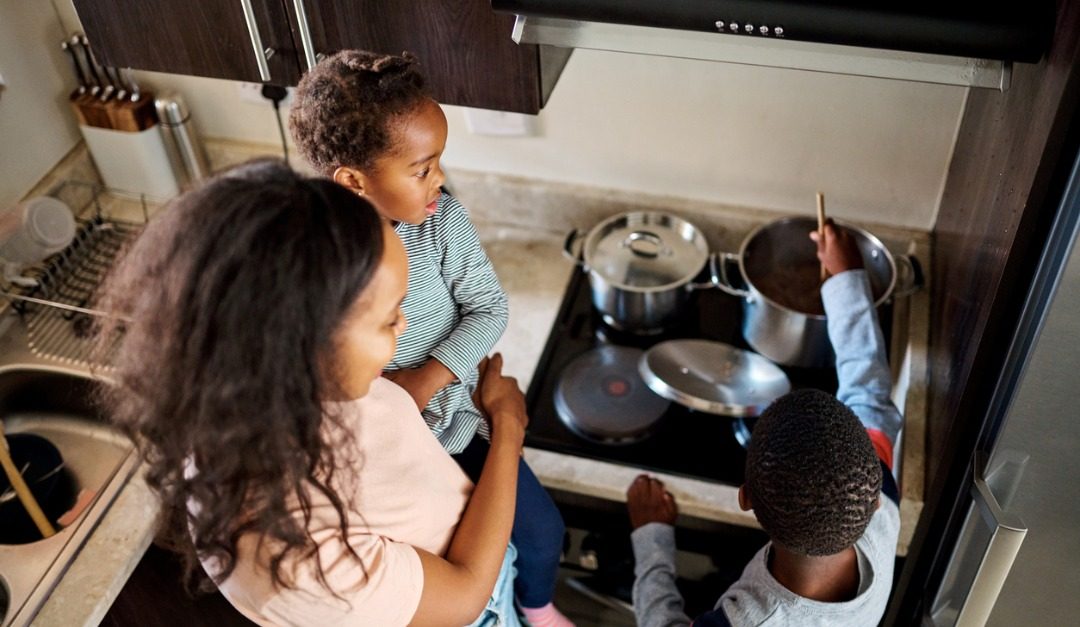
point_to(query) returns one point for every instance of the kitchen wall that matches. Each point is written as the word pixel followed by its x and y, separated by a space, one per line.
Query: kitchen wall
pixel 735 135
pixel 37 127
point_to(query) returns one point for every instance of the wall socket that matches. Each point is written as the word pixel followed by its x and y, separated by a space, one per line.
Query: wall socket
pixel 252 93
pixel 499 123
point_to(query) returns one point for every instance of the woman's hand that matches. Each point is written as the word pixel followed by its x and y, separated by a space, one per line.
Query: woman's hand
pixel 837 251
pixel 458 586
pixel 501 399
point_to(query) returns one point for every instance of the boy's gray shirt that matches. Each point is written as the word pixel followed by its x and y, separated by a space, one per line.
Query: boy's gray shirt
pixel 757 598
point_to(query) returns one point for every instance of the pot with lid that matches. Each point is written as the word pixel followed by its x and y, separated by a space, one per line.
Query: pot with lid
pixel 783 316
pixel 641 267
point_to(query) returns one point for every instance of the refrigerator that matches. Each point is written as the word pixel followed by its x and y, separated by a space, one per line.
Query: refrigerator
pixel 1014 557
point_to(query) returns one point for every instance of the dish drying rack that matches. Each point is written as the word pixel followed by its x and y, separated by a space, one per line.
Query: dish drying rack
pixel 56 306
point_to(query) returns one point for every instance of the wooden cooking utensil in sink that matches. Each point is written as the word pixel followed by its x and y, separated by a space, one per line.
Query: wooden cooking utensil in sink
pixel 22 490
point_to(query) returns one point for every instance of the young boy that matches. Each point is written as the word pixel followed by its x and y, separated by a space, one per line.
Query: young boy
pixel 818 477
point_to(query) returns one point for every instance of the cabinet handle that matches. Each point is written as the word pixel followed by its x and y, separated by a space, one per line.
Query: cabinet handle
pixel 261 54
pixel 305 34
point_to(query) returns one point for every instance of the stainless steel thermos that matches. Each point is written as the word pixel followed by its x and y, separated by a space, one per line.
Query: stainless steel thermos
pixel 185 150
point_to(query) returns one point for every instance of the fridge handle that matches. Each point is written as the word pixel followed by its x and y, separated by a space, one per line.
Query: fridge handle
pixel 1007 534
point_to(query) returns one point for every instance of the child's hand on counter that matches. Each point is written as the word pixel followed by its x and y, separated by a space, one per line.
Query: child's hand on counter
pixel 647 501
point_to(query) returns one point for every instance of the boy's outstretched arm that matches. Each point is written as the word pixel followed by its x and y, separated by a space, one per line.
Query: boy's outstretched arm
pixel 865 381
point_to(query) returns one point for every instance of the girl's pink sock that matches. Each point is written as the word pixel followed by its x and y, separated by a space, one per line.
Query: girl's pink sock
pixel 546 616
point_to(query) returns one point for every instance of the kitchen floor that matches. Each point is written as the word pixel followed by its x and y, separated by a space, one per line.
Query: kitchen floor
pixel 585 611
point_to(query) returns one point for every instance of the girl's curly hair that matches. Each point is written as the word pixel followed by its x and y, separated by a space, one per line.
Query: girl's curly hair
pixel 345 108
pixel 234 294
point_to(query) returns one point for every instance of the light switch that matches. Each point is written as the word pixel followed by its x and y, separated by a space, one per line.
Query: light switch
pixel 499 123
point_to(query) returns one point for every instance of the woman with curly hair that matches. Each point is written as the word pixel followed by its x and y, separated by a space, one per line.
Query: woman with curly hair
pixel 366 120
pixel 263 307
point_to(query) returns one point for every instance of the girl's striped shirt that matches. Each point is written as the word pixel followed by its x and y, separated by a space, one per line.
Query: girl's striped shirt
pixel 456 311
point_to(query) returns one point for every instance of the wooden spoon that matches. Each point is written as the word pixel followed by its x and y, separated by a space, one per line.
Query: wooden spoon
pixel 821 229
pixel 22 490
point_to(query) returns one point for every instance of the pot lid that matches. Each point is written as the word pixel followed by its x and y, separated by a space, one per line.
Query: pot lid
pixel 646 250
pixel 713 377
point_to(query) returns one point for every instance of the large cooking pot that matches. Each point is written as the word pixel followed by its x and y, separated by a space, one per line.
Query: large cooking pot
pixel 783 318
pixel 641 267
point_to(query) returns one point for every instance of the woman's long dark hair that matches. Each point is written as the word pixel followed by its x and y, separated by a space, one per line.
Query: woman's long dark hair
pixel 235 292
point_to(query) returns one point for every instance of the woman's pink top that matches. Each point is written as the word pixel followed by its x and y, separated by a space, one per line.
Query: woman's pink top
pixel 401 489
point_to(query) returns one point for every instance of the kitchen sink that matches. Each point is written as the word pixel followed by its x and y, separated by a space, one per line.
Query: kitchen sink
pixel 58 404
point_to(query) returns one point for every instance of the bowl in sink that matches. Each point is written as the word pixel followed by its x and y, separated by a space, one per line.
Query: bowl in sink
pixel 59 405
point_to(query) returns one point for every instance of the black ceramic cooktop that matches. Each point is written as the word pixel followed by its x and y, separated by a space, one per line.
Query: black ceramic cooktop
pixel 683 442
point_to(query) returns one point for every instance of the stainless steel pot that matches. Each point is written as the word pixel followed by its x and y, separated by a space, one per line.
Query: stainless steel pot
pixel 780 256
pixel 641 267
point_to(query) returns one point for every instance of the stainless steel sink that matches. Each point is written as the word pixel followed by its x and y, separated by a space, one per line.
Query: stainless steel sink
pixel 58 404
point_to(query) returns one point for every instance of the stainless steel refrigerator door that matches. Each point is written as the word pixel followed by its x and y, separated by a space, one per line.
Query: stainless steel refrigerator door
pixel 1032 475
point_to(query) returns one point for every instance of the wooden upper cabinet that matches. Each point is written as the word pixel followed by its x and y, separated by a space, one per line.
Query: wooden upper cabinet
pixel 464 48
pixel 205 38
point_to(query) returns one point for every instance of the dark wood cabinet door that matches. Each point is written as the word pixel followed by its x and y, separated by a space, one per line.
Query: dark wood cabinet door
pixel 464 48
pixel 203 38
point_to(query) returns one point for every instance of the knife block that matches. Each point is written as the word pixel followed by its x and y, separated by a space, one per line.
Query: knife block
pixel 133 162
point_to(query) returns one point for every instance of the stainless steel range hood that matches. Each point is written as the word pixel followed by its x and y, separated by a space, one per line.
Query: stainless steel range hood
pixel 914 41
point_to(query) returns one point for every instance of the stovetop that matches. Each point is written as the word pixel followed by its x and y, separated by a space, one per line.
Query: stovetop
pixel 684 442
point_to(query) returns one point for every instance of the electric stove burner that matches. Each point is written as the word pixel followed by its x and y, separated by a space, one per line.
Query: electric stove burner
pixel 681 441
pixel 601 397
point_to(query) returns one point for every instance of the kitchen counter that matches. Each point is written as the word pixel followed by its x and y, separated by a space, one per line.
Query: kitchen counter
pixel 526 249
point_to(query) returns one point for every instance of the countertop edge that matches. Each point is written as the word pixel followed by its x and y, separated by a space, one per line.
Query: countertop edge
pixel 84 595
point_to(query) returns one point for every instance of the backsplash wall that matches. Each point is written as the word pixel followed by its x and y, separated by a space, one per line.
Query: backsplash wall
pixel 742 136
pixel 37 127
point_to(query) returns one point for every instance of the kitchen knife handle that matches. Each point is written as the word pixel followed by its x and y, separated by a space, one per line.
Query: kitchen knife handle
pixel 133 86
pixel 107 88
pixel 82 54
pixel 114 78
pixel 66 47
pixel 305 34
pixel 261 54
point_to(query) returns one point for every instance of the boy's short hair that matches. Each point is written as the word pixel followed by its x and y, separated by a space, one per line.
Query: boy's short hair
pixel 812 475
pixel 345 107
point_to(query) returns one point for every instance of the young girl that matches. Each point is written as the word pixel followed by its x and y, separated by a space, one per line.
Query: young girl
pixel 264 307
pixel 367 121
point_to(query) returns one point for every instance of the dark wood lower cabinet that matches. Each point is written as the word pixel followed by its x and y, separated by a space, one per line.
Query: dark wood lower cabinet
pixel 155 595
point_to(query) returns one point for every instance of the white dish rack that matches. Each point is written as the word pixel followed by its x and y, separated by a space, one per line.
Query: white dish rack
pixel 58 311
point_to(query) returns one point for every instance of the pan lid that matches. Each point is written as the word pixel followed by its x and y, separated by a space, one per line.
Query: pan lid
pixel 713 377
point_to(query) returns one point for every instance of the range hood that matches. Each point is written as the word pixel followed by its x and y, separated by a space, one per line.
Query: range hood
pixel 957 43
